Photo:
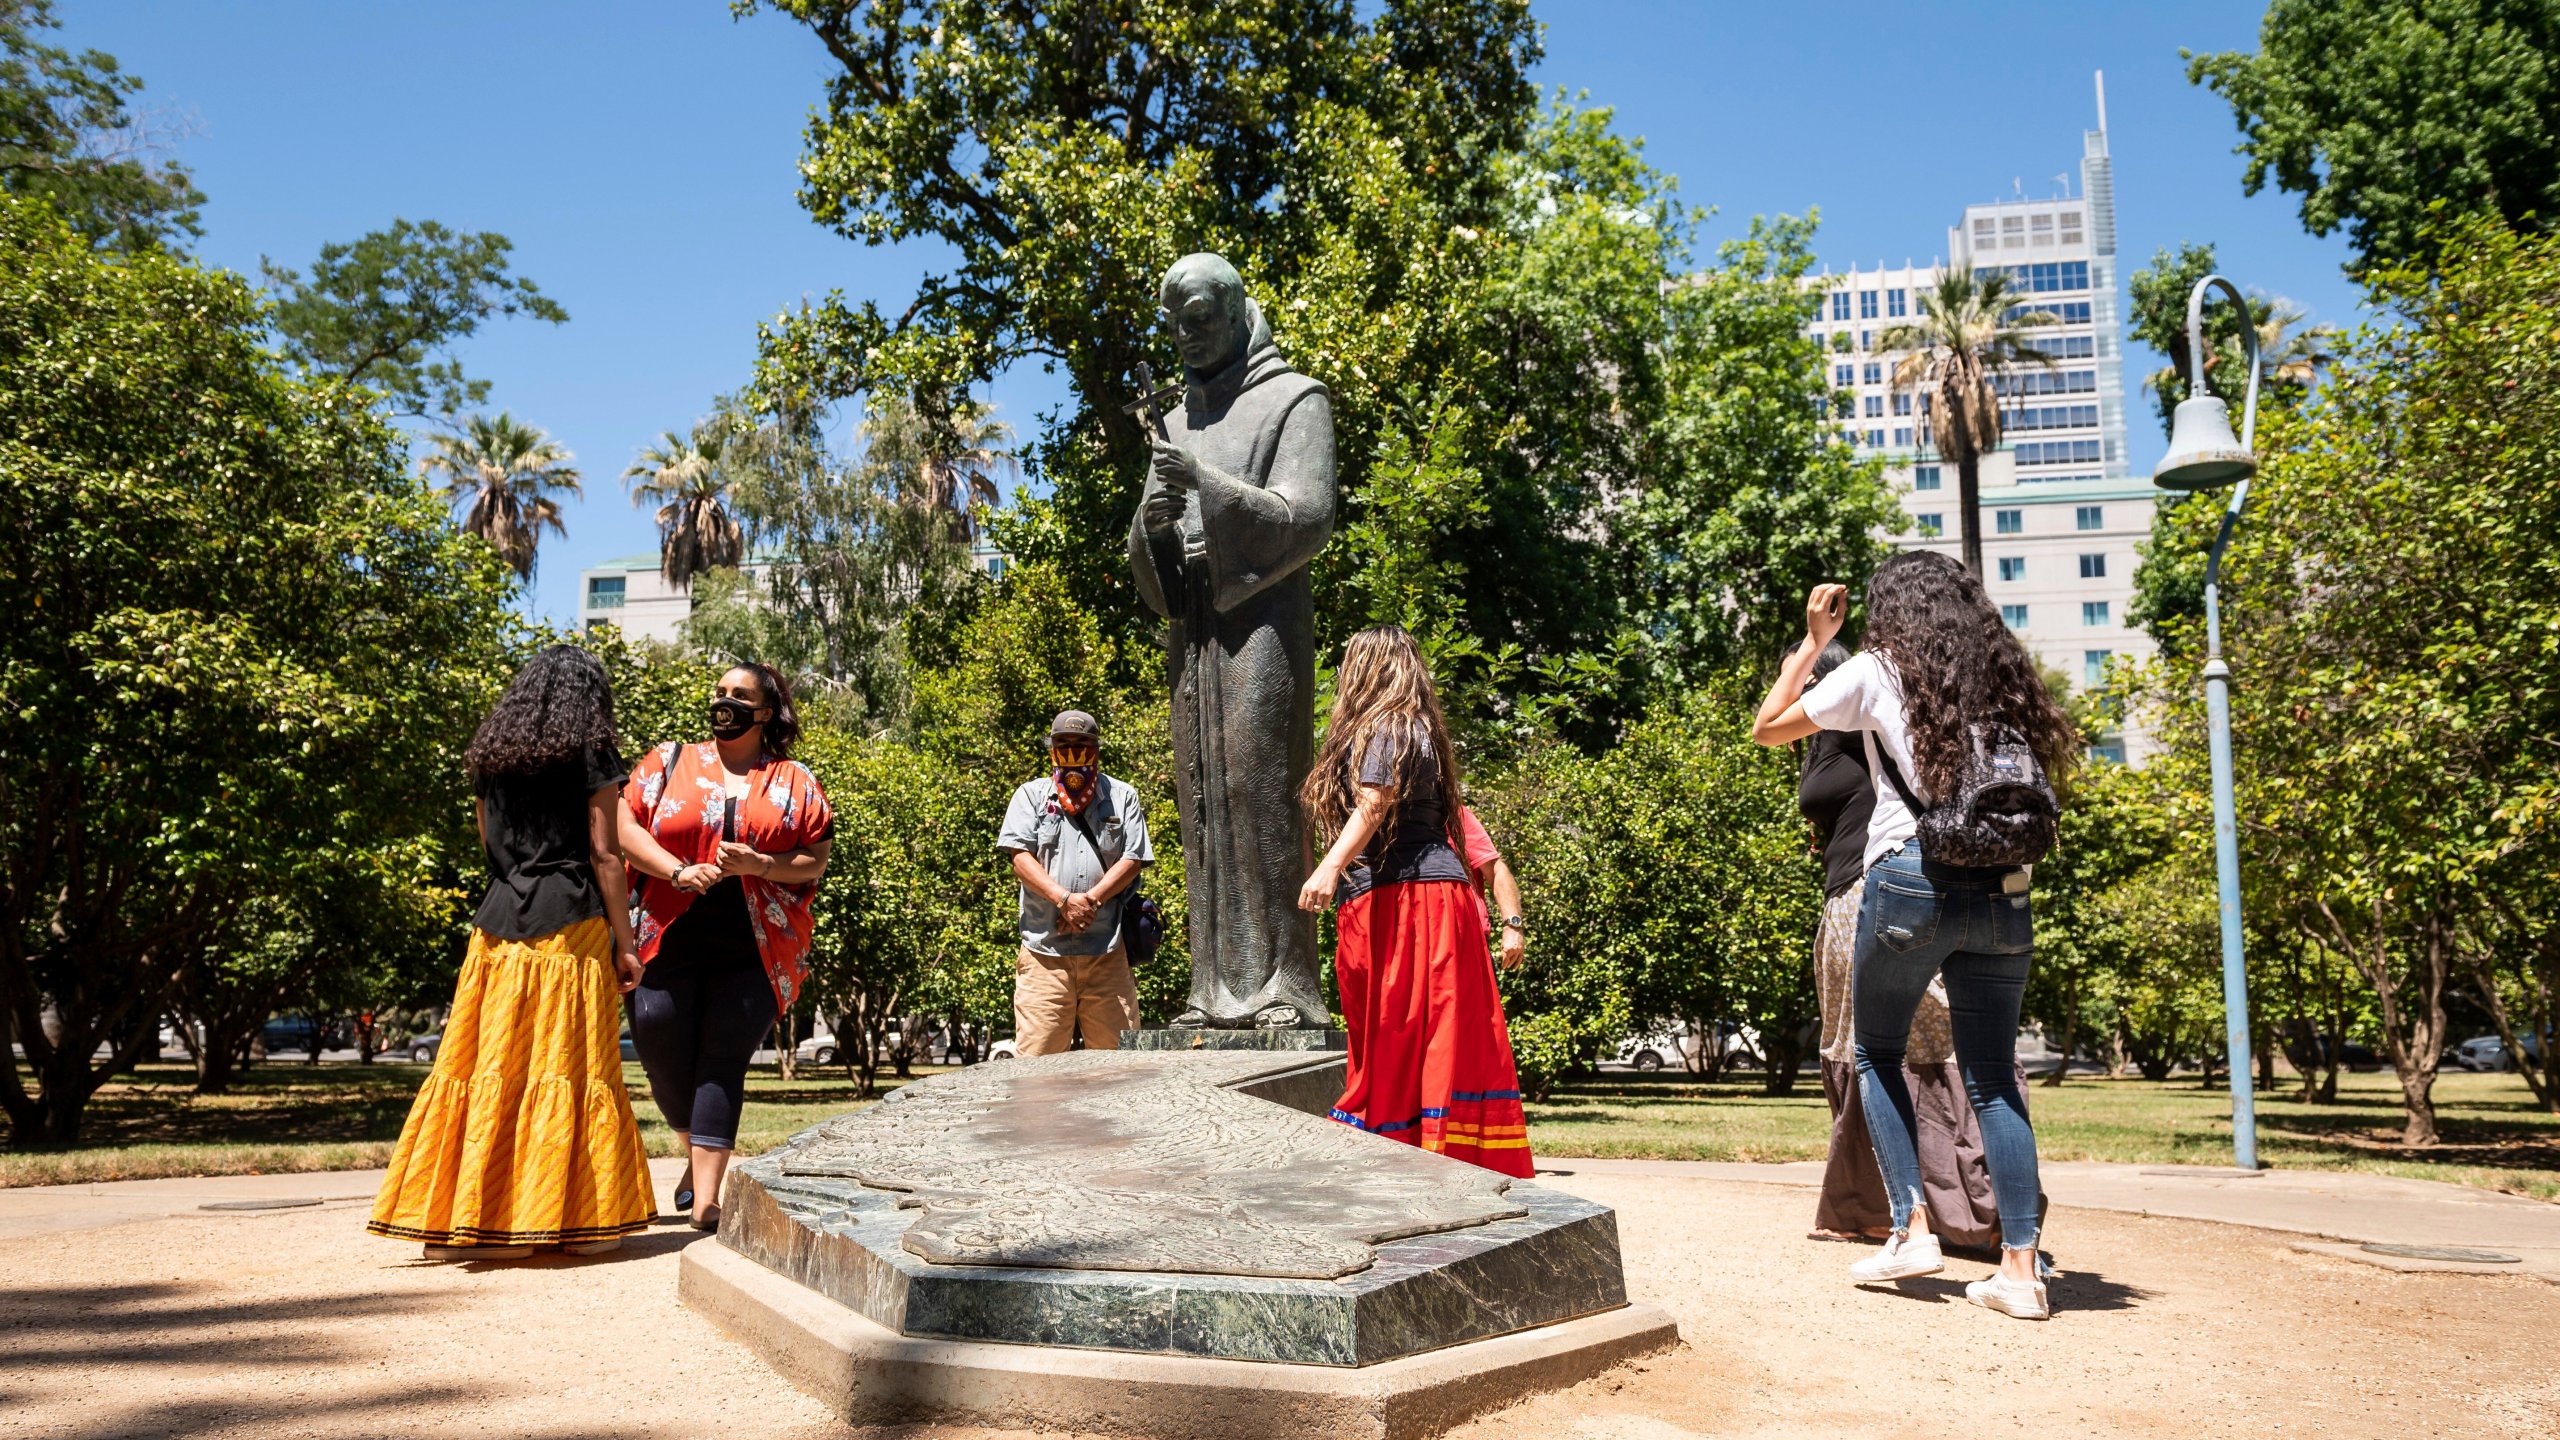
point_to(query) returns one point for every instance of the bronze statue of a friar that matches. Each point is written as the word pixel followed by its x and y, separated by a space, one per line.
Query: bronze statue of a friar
pixel 1239 498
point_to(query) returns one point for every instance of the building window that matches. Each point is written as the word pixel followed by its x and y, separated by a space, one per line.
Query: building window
pixel 1866 304
pixel 1901 402
pixel 1844 374
pixel 2008 522
pixel 2093 667
pixel 1902 437
pixel 2060 452
pixel 1895 304
pixel 1866 339
pixel 2093 567
pixel 2093 612
pixel 1874 373
pixel 2091 517
pixel 1875 407
pixel 2109 751
pixel 1925 478
pixel 1839 304
pixel 2013 567
pixel 1931 525
pixel 604 592
pixel 2014 616
pixel 1875 438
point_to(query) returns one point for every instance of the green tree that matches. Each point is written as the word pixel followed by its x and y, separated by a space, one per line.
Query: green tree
pixel 2168 583
pixel 685 476
pixel 506 472
pixel 2376 112
pixel 385 309
pixel 68 138
pixel 1969 330
pixel 246 655
pixel 1066 161
pixel 1669 882
pixel 2395 633
pixel 1754 502
pixel 853 547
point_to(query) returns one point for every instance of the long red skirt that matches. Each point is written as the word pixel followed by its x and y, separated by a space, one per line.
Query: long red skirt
pixel 1430 1055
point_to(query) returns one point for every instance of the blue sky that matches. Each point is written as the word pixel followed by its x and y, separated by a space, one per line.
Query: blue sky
pixel 641 155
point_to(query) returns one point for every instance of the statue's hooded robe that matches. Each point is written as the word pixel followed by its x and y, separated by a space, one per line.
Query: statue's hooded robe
pixel 1241 648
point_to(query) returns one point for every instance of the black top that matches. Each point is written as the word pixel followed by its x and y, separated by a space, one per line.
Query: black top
pixel 1419 849
pixel 1838 795
pixel 535 829
pixel 713 932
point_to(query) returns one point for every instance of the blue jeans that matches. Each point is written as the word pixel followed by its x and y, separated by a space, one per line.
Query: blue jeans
pixel 1918 921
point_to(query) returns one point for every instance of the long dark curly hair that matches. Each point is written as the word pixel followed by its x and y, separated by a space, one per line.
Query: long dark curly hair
pixel 1960 667
pixel 558 708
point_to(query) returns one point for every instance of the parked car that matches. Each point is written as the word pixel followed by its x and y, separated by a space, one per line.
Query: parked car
pixel 2315 1051
pixel 819 1049
pixel 1002 1049
pixel 1650 1053
pixel 422 1048
pixel 297 1034
pixel 2483 1052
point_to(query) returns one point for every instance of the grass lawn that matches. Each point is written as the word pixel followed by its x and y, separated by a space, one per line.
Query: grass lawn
pixel 2495 1136
pixel 288 1116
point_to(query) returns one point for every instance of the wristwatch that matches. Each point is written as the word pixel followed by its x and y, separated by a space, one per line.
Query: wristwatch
pixel 1516 922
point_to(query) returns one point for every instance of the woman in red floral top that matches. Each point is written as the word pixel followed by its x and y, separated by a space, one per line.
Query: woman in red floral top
pixel 730 837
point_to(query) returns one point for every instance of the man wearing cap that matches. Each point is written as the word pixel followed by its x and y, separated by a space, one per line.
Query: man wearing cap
pixel 1077 839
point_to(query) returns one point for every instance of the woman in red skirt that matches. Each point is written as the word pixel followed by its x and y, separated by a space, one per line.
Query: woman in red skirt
pixel 1430 1056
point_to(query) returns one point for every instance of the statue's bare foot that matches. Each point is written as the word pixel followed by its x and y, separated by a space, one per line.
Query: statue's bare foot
pixel 1194 1018
pixel 1274 1017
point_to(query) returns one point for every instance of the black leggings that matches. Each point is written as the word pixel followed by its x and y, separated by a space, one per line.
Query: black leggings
pixel 696 1025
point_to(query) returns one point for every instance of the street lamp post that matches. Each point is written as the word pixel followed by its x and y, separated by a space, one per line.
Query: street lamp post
pixel 2204 456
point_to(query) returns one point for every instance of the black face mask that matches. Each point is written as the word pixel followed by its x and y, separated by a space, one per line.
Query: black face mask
pixel 731 717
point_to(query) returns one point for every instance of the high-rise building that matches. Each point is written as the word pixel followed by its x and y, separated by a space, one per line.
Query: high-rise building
pixel 2061 510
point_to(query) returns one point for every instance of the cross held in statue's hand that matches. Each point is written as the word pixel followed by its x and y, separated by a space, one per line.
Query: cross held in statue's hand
pixel 1152 402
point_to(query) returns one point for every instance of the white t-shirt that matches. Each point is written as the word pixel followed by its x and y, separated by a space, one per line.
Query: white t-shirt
pixel 1866 695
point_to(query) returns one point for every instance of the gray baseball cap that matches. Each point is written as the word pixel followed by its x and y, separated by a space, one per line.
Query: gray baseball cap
pixel 1075 723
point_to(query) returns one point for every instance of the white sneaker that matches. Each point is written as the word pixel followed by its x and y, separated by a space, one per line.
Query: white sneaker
pixel 2022 1298
pixel 1903 1257
pixel 593 1247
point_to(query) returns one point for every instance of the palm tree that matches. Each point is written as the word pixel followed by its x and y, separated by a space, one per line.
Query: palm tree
pixel 943 465
pixel 508 470
pixel 1971 328
pixel 690 482
pixel 2292 351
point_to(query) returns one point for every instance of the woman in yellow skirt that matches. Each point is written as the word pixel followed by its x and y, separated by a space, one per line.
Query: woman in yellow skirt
pixel 523 1135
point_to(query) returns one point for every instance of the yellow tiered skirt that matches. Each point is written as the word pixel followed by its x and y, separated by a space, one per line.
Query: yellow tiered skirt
pixel 523 1133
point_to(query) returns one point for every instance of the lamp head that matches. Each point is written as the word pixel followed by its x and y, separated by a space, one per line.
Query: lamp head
pixel 2203 453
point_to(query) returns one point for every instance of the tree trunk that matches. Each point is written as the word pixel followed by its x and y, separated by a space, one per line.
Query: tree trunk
pixel 2070 1034
pixel 1969 499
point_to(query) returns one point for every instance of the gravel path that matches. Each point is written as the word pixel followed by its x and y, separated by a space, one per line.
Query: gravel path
pixel 294 1323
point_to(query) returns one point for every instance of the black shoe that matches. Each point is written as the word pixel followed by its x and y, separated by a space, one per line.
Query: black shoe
pixel 684 1195
pixel 710 1219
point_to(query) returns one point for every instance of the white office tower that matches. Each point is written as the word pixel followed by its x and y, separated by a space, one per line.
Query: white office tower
pixel 2062 510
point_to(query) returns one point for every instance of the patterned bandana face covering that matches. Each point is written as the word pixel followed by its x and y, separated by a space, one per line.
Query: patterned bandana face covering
pixel 1077 771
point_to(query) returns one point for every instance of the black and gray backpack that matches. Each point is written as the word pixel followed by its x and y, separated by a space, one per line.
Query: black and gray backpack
pixel 2002 812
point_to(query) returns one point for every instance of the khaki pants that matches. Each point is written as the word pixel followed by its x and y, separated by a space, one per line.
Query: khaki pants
pixel 1056 995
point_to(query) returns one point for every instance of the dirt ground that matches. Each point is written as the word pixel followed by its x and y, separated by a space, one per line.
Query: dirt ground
pixel 297 1324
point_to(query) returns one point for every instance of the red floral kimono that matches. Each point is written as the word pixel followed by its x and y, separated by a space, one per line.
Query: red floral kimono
pixel 677 792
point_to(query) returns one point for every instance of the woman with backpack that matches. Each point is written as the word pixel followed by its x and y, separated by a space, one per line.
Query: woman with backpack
pixel 1957 723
